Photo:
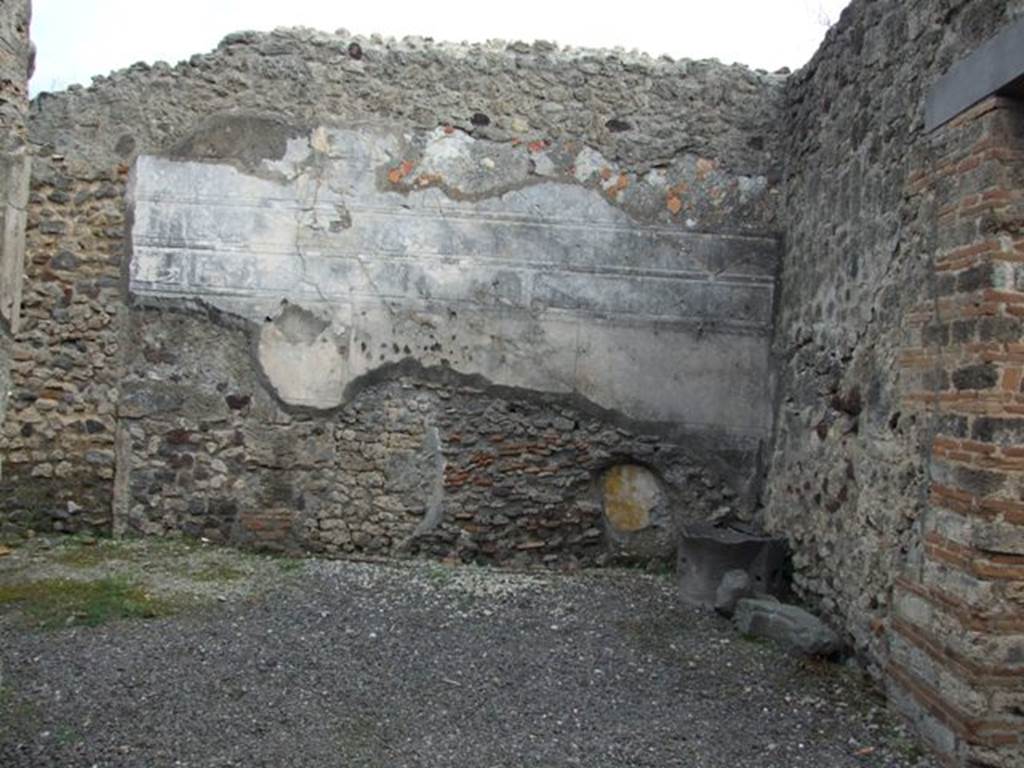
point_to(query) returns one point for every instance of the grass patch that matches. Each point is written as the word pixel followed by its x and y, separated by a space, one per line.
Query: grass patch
pixel 286 564
pixel 54 603
pixel 82 555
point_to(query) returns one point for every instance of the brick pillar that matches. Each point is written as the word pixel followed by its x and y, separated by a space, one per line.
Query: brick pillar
pixel 956 640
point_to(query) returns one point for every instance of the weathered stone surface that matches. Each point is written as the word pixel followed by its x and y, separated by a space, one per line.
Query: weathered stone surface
pixel 412 464
pixel 735 586
pixel 298 76
pixel 14 183
pixel 15 66
pixel 848 486
pixel 707 553
pixel 898 409
pixel 793 627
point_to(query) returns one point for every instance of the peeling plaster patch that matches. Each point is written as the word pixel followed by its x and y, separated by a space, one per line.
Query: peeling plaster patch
pixel 304 357
pixel 637 511
pixel 464 168
pixel 544 285
pixel 318 140
pixel 467 166
pixel 247 139
pixel 630 494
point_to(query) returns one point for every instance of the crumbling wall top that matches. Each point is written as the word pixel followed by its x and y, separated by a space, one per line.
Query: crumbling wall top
pixel 634 109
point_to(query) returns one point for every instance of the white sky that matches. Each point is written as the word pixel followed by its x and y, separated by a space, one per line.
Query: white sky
pixel 77 39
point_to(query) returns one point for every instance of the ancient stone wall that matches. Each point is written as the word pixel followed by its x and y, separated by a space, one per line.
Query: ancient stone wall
pixel 15 66
pixel 956 646
pixel 310 290
pixel 859 343
pixel 514 304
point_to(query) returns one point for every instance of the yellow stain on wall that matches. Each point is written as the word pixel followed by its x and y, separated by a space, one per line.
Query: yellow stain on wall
pixel 630 493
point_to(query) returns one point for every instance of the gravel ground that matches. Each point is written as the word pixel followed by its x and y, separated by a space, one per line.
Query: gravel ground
pixel 333 663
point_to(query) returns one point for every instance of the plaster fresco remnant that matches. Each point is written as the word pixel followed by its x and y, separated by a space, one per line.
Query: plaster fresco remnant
pixel 16 63
pixel 630 494
pixel 533 283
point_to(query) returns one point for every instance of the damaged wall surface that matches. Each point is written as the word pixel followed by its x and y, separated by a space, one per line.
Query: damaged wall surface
pixel 15 69
pixel 366 243
pixel 518 304
pixel 369 251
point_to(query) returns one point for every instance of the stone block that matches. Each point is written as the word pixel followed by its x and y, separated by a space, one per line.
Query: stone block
pixel 789 625
pixel 706 553
pixel 735 586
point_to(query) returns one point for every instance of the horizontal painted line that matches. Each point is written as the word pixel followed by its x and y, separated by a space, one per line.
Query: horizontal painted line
pixel 447 214
pixel 142 248
pixel 705 324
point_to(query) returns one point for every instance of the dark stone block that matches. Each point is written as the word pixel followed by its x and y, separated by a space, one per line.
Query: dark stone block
pixel 849 403
pixel 53 227
pixel 792 627
pixel 983 376
pixel 64 261
pixel 978 481
pixel 975 278
pixel 277 491
pixel 1000 329
pixel 945 284
pixel 140 400
pixel 707 553
pixel 617 125
pixel 125 145
pixel 935 334
pixel 990 429
pixel 964 330
pixel 179 437
pixel 734 587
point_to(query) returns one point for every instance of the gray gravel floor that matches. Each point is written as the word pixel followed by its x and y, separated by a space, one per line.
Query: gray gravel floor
pixel 351 664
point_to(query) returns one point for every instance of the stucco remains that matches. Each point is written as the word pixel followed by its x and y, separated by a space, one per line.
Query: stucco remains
pixel 15 69
pixel 454 252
